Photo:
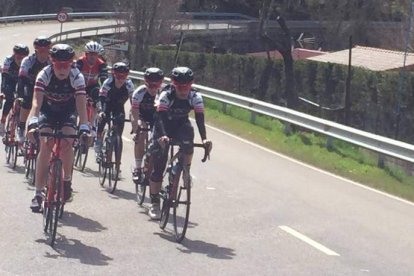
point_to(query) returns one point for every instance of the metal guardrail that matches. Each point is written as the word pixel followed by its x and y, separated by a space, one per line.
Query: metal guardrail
pixel 361 138
pixel 51 16
pixel 85 32
pixel 354 136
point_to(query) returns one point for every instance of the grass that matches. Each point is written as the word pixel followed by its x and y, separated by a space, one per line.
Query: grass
pixel 342 158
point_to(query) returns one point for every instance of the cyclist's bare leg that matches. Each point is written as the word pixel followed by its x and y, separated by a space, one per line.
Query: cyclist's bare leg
pixel 155 187
pixel 139 145
pixel 42 163
pixel 67 152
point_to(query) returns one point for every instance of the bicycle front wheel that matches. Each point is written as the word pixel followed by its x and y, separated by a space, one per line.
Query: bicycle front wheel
pixel 30 170
pixel 53 201
pixel 181 210
pixel 81 155
pixel 115 164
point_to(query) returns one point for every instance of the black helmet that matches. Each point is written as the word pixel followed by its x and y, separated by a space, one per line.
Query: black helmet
pixel 120 67
pixel 62 52
pixel 182 75
pixel 42 41
pixel 153 74
pixel 21 49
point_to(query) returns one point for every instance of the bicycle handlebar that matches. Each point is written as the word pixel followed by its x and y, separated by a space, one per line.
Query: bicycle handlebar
pixel 207 148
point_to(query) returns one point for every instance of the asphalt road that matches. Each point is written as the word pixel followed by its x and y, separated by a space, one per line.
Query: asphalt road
pixel 253 212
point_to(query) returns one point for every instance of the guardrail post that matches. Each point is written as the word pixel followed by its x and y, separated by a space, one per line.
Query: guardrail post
pixel 381 161
pixel 329 143
pixel 253 117
pixel 224 108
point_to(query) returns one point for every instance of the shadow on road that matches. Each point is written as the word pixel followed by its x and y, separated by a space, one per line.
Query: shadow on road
pixel 83 224
pixel 87 172
pixel 118 194
pixel 75 249
pixel 211 250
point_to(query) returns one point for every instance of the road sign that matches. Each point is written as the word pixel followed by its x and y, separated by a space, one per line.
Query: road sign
pixel 62 16
pixel 114 44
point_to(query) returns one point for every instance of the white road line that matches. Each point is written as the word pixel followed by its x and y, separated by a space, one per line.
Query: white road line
pixel 312 167
pixel 309 241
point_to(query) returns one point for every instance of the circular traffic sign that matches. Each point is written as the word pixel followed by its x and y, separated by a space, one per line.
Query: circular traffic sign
pixel 62 16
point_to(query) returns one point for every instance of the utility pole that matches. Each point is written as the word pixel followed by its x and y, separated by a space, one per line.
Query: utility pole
pixel 348 86
pixel 403 71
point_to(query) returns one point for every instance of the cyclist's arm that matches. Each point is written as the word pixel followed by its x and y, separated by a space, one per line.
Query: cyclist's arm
pixel 199 116
pixel 80 97
pixel 103 73
pixel 197 102
pixel 162 112
pixel 103 94
pixel 37 101
pixel 23 79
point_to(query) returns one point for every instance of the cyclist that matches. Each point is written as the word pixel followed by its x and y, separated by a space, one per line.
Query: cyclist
pixel 175 103
pixel 9 76
pixel 142 113
pixel 29 69
pixel 59 95
pixel 115 91
pixel 94 69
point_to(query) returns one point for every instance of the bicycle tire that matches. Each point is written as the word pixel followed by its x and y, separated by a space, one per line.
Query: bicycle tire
pixel 108 164
pixel 6 141
pixel 183 200
pixel 102 170
pixel 102 162
pixel 115 165
pixel 165 206
pixel 15 154
pixel 81 155
pixel 140 190
pixel 32 175
pixel 52 209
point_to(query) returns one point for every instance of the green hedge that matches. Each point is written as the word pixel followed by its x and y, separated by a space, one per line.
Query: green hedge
pixel 373 94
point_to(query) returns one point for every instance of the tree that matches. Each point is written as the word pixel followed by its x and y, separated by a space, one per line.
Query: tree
pixel 8 7
pixel 148 21
pixel 283 43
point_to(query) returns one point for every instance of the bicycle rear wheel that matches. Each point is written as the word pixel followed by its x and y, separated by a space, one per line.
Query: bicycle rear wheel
pixel 181 209
pixel 53 201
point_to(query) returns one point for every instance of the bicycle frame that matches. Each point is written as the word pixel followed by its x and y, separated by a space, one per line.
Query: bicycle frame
pixel 57 136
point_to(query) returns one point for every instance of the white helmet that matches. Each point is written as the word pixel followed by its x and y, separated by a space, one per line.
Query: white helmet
pixel 93 47
pixel 101 50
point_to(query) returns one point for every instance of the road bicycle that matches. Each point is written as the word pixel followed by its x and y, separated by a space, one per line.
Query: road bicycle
pixel 146 166
pixel 10 140
pixel 81 148
pixel 54 202
pixel 30 155
pixel 109 159
pixel 176 195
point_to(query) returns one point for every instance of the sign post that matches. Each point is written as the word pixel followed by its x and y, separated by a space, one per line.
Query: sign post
pixel 62 17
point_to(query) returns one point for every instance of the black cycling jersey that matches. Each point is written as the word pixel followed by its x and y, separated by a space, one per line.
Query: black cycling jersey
pixel 111 97
pixel 9 74
pixel 145 103
pixel 173 112
pixel 59 95
pixel 29 69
